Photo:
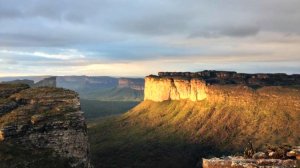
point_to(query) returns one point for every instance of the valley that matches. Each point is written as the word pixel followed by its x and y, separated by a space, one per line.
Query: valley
pixel 181 122
pixel 180 133
pixel 95 109
pixel 183 118
pixel 149 84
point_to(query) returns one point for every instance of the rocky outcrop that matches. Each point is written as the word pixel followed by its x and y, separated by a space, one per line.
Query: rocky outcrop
pixel 231 77
pixel 44 118
pixel 6 90
pixel 283 156
pixel 273 157
pixel 236 162
pixel 207 84
pixel 160 89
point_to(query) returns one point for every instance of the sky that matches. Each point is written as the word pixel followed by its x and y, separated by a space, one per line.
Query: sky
pixel 142 37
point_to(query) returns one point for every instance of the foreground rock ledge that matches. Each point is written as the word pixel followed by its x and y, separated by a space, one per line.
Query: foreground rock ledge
pixel 249 163
pixel 44 118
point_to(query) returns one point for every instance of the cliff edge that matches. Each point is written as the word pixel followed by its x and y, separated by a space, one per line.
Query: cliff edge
pixel 207 84
pixel 42 119
pixel 189 116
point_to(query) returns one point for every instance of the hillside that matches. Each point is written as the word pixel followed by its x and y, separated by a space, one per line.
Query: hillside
pixel 94 109
pixel 176 130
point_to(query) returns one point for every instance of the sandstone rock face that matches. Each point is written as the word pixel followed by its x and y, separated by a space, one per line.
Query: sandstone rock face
pixel 213 85
pixel 45 118
pixel 160 89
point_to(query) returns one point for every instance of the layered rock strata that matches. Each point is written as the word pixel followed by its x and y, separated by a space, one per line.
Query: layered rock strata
pixel 160 89
pixel 207 84
pixel 44 118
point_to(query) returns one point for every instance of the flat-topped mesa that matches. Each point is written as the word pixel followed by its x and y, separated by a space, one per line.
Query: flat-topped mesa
pixel 44 118
pixel 231 77
pixel 198 86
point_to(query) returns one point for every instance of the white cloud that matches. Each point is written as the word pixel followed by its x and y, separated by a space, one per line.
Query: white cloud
pixel 64 55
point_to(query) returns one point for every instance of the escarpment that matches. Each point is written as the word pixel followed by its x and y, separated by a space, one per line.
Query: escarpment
pixel 186 117
pixel 46 121
pixel 232 108
pixel 210 84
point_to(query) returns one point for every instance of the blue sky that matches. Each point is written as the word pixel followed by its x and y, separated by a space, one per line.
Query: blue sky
pixel 141 37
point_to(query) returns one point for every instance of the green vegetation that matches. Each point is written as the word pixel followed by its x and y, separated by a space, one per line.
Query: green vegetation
pixel 95 108
pixel 180 133
pixel 115 144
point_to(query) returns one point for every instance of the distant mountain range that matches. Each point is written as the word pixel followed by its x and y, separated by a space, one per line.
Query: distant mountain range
pixel 102 88
pixel 32 78
pixel 49 82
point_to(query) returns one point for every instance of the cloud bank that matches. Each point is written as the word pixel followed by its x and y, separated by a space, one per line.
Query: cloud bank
pixel 139 37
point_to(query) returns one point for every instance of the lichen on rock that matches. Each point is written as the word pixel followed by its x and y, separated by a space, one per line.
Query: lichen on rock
pixel 45 118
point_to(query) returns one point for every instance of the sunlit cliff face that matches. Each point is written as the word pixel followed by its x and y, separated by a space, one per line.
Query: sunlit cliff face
pixel 211 85
pixel 158 89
